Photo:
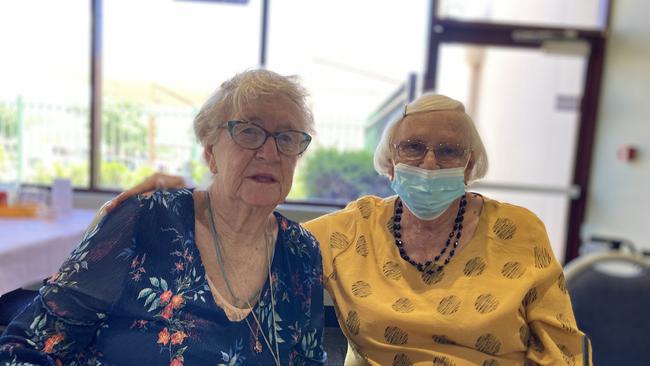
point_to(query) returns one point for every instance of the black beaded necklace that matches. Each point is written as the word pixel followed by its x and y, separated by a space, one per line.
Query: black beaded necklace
pixel 455 234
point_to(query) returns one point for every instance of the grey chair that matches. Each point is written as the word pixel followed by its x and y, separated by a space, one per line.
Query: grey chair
pixel 610 293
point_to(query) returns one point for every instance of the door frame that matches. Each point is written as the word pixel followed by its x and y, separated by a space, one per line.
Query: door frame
pixel 525 36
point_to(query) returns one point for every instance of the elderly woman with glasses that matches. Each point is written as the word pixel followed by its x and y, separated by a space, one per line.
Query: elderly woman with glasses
pixel 213 277
pixel 437 274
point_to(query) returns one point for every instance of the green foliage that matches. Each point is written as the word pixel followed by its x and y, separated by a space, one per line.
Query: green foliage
pixel 8 132
pixel 125 147
pixel 137 176
pixel 198 171
pixel 124 135
pixel 297 190
pixel 116 175
pixel 123 132
pixel 8 121
pixel 113 174
pixel 4 163
pixel 342 175
pixel 77 173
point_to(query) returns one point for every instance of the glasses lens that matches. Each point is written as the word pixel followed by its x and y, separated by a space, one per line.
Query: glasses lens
pixel 292 142
pixel 251 136
pixel 411 149
pixel 247 135
pixel 451 153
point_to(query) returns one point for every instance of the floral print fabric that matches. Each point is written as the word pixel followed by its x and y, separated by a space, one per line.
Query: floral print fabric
pixel 134 292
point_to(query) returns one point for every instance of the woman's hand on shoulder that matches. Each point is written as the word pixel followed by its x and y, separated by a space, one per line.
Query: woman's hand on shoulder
pixel 153 182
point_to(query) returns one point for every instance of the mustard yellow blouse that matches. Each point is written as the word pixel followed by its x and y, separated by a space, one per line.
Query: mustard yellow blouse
pixel 501 300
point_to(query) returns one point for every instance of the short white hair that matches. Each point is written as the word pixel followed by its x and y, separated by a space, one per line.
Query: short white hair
pixel 428 103
pixel 234 94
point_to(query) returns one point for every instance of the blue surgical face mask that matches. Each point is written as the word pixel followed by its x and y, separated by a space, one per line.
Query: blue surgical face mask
pixel 428 193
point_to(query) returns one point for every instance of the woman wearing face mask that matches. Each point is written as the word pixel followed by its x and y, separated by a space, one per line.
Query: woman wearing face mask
pixel 438 274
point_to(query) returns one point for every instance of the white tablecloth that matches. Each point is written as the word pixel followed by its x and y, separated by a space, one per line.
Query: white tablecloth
pixel 33 249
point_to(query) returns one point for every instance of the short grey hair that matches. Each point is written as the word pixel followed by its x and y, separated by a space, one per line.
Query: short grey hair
pixel 233 95
pixel 428 103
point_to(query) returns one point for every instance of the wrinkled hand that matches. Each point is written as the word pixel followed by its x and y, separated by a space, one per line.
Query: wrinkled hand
pixel 153 182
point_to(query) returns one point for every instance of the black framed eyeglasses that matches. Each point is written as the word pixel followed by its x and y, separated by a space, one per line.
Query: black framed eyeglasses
pixel 252 136
pixel 448 155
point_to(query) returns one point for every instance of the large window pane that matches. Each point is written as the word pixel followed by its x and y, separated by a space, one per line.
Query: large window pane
pixel 587 14
pixel 353 56
pixel 44 123
pixel 161 60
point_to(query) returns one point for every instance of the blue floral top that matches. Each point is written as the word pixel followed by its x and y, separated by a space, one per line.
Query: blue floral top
pixel 135 293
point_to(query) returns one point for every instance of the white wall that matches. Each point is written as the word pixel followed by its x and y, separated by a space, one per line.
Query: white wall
pixel 619 199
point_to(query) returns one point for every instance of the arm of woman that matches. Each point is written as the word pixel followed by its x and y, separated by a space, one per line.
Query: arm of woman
pixel 554 335
pixel 309 350
pixel 71 307
pixel 157 181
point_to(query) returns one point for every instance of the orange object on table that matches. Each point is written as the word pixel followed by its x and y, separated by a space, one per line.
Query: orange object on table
pixel 19 211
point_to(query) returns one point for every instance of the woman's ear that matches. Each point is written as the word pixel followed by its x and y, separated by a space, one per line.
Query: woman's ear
pixel 469 168
pixel 391 160
pixel 391 170
pixel 208 154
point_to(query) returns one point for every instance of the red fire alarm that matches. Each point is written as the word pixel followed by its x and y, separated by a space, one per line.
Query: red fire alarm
pixel 626 153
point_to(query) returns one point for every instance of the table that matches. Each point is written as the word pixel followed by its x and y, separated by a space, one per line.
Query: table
pixel 32 249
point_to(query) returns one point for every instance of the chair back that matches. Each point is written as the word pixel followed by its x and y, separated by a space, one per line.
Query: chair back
pixel 610 293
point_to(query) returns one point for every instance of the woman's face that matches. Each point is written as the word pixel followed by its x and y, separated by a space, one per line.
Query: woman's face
pixel 261 177
pixel 444 131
